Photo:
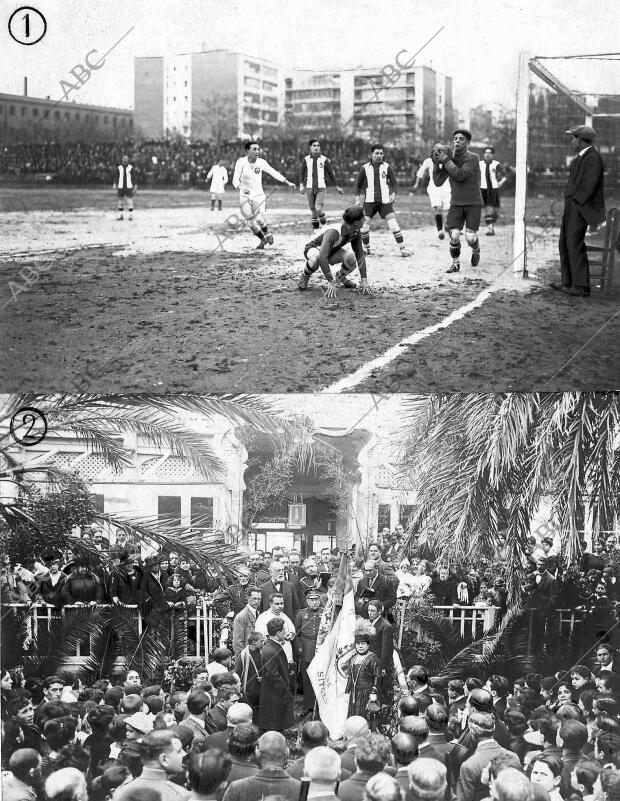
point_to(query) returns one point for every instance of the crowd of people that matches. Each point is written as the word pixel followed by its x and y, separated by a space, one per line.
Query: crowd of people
pixel 161 162
pixel 245 724
pixel 500 737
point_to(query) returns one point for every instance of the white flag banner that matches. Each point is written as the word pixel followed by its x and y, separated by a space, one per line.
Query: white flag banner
pixel 327 671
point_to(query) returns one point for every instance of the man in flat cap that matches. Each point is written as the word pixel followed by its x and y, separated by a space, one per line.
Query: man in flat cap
pixel 584 205
pixel 307 623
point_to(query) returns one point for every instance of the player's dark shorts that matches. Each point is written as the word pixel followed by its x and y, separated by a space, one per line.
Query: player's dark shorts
pixel 469 216
pixel 315 196
pixel 490 197
pixel 383 209
pixel 125 192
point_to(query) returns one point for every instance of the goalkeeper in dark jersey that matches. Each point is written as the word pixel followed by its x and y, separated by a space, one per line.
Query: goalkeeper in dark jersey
pixel 329 248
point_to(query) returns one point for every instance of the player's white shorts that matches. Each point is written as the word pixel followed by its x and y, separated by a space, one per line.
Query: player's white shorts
pixel 251 205
pixel 439 196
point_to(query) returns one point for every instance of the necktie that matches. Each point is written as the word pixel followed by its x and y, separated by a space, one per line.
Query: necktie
pixel 488 175
pixel 315 173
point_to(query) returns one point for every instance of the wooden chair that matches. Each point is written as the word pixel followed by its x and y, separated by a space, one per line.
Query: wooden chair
pixel 602 265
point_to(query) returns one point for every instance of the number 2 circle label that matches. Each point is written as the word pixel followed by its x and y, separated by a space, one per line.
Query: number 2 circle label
pixel 28 426
pixel 27 25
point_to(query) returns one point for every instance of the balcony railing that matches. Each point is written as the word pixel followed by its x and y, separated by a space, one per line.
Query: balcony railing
pixel 206 631
pixel 201 623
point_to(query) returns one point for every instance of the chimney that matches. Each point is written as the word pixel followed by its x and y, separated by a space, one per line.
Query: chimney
pixel 25 86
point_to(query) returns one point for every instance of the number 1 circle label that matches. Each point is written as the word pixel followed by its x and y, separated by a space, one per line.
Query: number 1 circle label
pixel 27 25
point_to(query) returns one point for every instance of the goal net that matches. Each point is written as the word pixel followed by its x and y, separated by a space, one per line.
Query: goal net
pixel 554 94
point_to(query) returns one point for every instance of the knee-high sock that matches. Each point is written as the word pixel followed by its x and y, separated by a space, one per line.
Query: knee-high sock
pixel 439 221
pixel 455 249
pixel 474 243
pixel 219 204
pixel 366 235
pixel 315 219
pixel 309 269
pixel 322 218
pixel 395 229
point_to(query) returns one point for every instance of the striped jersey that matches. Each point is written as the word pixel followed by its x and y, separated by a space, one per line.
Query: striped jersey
pixel 313 171
pixel 377 181
pixel 496 172
pixel 125 176
pixel 248 176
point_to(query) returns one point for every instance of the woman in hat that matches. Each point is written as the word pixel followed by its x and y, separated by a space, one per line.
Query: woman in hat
pixel 363 671
pixel 49 586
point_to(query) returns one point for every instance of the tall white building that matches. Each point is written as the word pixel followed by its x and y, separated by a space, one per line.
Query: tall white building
pixel 215 94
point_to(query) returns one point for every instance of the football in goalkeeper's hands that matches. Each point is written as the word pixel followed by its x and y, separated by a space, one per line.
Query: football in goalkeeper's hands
pixel 439 153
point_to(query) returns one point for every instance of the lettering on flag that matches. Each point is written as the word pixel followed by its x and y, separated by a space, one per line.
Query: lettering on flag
pixel 328 670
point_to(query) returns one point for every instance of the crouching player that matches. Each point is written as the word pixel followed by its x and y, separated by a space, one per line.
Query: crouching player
pixel 329 248
pixel 462 169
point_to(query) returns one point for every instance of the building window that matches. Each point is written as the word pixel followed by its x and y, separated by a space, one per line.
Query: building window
pixel 105 120
pixel 35 112
pixel 11 111
pixel 201 513
pixel 169 509
pixel 24 110
pixel 185 83
pixel 252 67
pixel 57 115
pixel 66 115
pixel 77 115
pixel 383 520
pixel 270 72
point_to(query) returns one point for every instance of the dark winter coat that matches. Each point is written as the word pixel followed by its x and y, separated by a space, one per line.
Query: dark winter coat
pixel 276 699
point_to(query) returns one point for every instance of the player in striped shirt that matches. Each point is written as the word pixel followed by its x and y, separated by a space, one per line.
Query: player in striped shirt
pixel 125 185
pixel 377 183
pixel 248 179
pixel 329 248
pixel 313 172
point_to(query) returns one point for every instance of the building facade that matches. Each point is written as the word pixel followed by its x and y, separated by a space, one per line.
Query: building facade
pixel 368 103
pixel 157 485
pixel 217 95
pixel 36 119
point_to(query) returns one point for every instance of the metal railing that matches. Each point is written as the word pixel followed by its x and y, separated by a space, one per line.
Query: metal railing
pixel 201 622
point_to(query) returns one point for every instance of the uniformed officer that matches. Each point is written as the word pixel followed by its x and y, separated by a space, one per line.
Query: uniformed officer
pixel 307 622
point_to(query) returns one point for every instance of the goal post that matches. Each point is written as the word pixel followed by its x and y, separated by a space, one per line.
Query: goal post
pixel 555 93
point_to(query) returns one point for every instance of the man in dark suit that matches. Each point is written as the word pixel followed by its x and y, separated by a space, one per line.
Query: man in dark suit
pixel 277 584
pixel 275 709
pixel 245 621
pixel 382 644
pixel 469 785
pixel 499 688
pixel 374 586
pixel 584 204
pixel 436 717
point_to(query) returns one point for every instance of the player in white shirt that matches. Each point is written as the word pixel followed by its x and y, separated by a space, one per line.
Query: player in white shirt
pixel 219 178
pixel 439 196
pixel 248 179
